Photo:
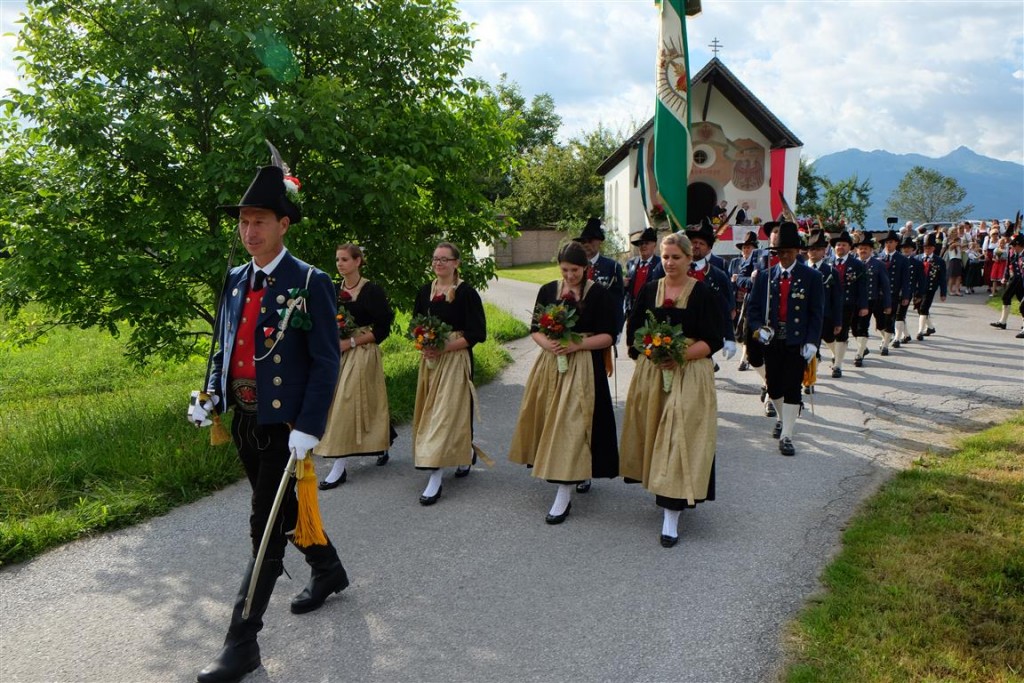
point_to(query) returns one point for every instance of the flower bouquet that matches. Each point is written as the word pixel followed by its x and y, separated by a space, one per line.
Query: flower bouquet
pixel 556 321
pixel 660 342
pixel 429 332
pixel 346 323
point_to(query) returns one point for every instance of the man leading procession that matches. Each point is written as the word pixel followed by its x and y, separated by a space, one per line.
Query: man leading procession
pixel 276 365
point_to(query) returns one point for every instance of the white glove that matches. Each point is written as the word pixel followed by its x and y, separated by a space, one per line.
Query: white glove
pixel 808 352
pixel 302 443
pixel 199 410
pixel 729 349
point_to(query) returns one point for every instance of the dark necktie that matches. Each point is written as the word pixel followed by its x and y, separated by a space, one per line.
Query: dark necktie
pixel 784 296
pixel 259 281
pixel 641 278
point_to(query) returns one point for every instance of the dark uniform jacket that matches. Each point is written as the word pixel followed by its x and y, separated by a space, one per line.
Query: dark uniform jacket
pixel 718 282
pixel 833 313
pixel 897 267
pixel 654 273
pixel 608 274
pixel 855 284
pixel 935 278
pixel 805 305
pixel 877 282
pixel 295 381
pixel 917 281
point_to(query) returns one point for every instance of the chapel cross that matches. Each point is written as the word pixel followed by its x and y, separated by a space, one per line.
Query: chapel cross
pixel 715 46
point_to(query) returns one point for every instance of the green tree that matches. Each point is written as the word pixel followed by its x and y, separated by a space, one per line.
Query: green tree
pixel 140 117
pixel 809 183
pixel 926 195
pixel 557 184
pixel 847 199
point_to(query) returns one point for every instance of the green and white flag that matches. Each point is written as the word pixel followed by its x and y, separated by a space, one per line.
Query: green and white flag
pixel 673 151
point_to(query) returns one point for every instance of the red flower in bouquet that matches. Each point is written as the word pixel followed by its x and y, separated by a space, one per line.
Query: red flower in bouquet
pixel 660 342
pixel 556 321
pixel 346 323
pixel 429 332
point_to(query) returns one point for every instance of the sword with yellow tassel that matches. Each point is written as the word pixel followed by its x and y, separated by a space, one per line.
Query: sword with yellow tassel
pixel 218 432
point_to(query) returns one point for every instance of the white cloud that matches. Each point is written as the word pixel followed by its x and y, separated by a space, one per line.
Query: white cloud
pixel 9 13
pixel 900 76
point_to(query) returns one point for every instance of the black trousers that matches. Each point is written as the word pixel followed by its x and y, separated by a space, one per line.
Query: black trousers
pixel 876 309
pixel 1014 288
pixel 755 349
pixel 784 371
pixel 848 319
pixel 263 450
pixel 901 315
pixel 925 307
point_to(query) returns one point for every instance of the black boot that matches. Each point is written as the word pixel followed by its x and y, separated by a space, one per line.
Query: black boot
pixel 241 652
pixel 327 576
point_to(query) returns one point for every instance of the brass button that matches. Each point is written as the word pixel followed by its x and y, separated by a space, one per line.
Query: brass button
pixel 796 320
pixel 277 358
pixel 277 381
pixel 276 403
pixel 263 309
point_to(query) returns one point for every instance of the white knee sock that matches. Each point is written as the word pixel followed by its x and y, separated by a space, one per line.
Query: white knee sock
pixel 434 483
pixel 1005 315
pixel 775 404
pixel 760 371
pixel 562 499
pixel 336 471
pixel 743 356
pixel 886 338
pixel 837 362
pixel 789 414
pixel 901 329
pixel 922 324
pixel 862 346
pixel 670 523
pixel 928 321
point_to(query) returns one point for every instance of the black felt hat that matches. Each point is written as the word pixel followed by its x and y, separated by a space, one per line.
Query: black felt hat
pixel 648 235
pixel 844 236
pixel 908 242
pixel 931 240
pixel 1017 241
pixel 591 231
pixel 267 191
pixel 817 240
pixel 865 241
pixel 749 241
pixel 789 236
pixel 705 232
pixel 891 235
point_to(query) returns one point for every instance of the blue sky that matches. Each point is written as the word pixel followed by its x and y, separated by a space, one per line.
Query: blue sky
pixel 901 75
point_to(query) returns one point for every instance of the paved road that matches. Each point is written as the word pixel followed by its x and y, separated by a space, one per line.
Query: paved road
pixel 478 588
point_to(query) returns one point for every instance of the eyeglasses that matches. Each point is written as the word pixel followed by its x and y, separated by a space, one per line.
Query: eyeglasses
pixel 442 260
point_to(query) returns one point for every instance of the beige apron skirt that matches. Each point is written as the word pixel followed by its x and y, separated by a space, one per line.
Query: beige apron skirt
pixel 442 426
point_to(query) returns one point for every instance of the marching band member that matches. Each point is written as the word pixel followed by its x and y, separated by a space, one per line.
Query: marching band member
pixel 879 297
pixel 855 296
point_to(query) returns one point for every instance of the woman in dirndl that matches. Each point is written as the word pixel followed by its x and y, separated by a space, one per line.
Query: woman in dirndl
pixel 668 438
pixel 359 423
pixel 566 426
pixel 442 423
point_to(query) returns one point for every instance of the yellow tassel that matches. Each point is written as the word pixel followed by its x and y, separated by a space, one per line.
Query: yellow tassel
pixel 309 529
pixel 811 372
pixel 218 432
pixel 609 365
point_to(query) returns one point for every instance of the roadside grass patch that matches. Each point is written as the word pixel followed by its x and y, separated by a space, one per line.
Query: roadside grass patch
pixel 929 585
pixel 92 442
pixel 537 273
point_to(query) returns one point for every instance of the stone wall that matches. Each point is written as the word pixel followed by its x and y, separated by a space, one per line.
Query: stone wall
pixel 532 246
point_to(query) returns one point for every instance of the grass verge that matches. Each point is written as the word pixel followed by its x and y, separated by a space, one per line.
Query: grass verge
pixel 929 585
pixel 537 273
pixel 93 443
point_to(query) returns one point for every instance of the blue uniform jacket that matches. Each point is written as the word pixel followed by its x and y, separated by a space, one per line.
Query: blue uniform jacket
pixel 878 282
pixel 855 284
pixel 917 281
pixel 897 267
pixel 935 279
pixel 608 274
pixel 295 381
pixel 718 282
pixel 805 306
pixel 833 293
pixel 654 273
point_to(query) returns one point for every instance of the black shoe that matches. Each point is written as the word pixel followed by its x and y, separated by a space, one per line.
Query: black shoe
pixel 858 362
pixel 786 446
pixel 325 580
pixel 769 409
pixel 328 485
pixel 929 332
pixel 1001 326
pixel 885 351
pixel 906 339
pixel 920 336
pixel 558 519
pixel 583 486
pixel 896 344
pixel 383 458
pixel 463 471
pixel 807 390
pixel 233 662
pixel 764 392
pixel 668 541
pixel 1019 335
pixel 837 373
pixel 744 365
pixel 777 430
pixel 866 353
pixel 716 367
pixel 430 500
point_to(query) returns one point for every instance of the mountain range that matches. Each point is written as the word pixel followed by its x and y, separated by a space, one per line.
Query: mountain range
pixel 994 187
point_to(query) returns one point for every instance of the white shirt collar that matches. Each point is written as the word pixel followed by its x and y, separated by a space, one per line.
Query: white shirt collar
pixel 593 261
pixel 699 265
pixel 269 268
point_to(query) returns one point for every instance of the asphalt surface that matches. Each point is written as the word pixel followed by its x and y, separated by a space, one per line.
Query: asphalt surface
pixel 478 588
